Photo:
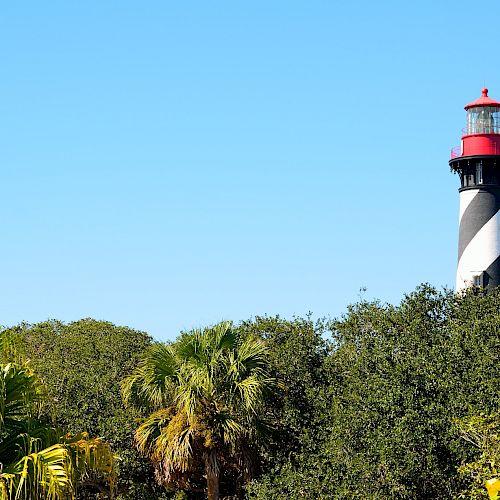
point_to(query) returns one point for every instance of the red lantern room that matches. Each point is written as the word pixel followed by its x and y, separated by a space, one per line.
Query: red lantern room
pixel 481 136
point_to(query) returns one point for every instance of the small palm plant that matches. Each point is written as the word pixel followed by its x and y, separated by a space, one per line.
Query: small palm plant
pixel 36 460
pixel 206 393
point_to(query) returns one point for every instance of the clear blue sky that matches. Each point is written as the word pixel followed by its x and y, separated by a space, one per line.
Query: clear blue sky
pixel 165 165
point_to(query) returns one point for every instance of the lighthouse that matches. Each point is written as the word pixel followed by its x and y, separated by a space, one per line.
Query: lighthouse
pixel 477 162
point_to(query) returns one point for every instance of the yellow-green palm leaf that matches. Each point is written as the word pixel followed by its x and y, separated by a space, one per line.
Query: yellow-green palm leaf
pixel 36 460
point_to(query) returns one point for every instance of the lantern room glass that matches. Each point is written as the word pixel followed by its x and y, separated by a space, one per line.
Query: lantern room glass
pixel 483 120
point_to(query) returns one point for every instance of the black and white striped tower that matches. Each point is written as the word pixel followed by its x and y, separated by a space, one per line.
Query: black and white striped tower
pixel 477 161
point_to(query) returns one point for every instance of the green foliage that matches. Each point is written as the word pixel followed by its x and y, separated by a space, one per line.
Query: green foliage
pixel 37 460
pixel 82 364
pixel 395 402
pixel 299 357
pixel 297 352
pixel 379 410
pixel 206 392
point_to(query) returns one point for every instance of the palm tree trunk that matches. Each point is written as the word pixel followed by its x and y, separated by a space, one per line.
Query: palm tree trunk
pixel 212 472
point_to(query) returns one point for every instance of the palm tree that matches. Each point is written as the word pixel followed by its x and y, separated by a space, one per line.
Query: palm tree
pixel 36 460
pixel 206 392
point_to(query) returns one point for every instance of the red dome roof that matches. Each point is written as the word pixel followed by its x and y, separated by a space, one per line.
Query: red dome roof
pixel 484 100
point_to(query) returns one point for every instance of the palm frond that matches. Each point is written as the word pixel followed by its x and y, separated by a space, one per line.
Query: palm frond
pixel 21 394
pixel 45 474
pixel 91 455
pixel 149 386
pixel 175 442
pixel 148 432
pixel 251 390
pixel 166 438
pixel 229 427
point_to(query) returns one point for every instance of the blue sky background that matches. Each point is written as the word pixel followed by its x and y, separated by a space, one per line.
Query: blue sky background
pixel 165 165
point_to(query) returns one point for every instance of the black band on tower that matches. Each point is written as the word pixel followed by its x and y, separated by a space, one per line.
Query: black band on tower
pixel 479 211
pixel 479 233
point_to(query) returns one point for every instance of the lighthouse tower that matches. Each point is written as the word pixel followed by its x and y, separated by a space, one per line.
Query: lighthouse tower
pixel 477 161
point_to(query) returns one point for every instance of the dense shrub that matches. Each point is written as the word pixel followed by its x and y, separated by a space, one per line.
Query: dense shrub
pixel 383 408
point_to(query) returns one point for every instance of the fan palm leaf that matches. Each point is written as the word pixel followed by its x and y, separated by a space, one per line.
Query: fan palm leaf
pixel 151 385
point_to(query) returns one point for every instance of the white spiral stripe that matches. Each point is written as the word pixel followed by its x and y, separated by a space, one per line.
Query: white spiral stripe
pixel 466 198
pixel 482 251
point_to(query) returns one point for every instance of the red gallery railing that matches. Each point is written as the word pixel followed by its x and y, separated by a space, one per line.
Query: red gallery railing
pixel 456 152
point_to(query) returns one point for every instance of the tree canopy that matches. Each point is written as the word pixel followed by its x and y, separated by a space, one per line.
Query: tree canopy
pixel 388 401
pixel 396 378
pixel 82 364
